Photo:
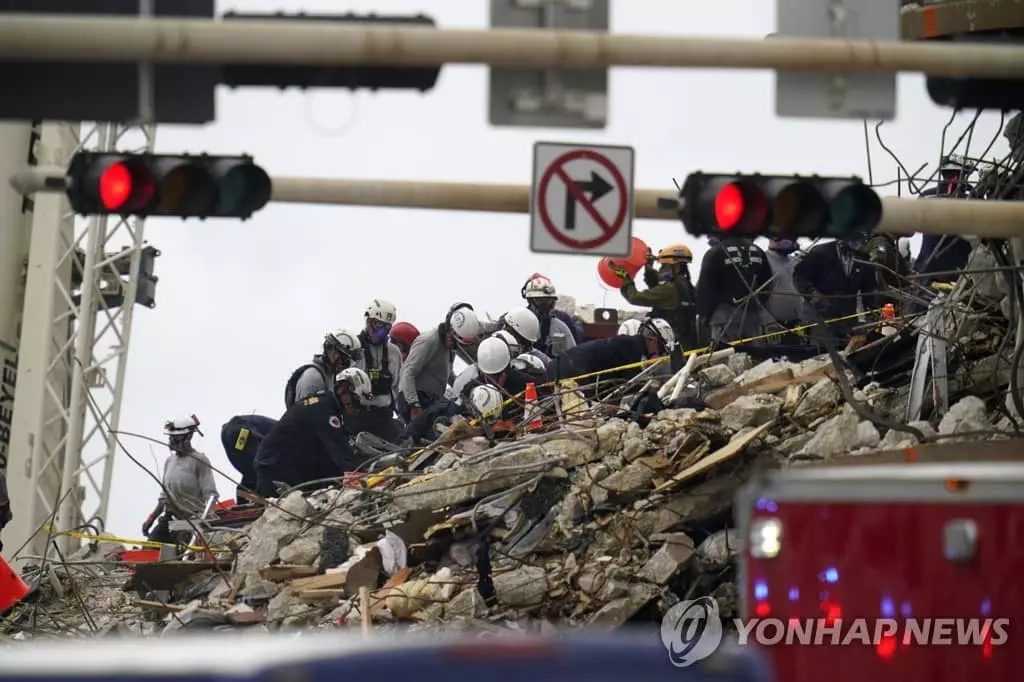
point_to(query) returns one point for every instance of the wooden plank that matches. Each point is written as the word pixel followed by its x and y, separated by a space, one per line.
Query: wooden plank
pixel 717 457
pixel 772 383
pixel 319 582
pixel 319 595
pixel 282 572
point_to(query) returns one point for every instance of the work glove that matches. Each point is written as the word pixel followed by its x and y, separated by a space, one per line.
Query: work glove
pixel 621 273
pixel 146 524
pixel 415 411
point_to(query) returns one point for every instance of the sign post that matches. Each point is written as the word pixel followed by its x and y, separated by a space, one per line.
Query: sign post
pixel 582 199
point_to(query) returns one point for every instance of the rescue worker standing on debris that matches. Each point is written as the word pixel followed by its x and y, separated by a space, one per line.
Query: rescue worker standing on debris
pixel 785 304
pixel 555 335
pixel 733 289
pixel 669 294
pixel 427 371
pixel 187 481
pixel 309 443
pixel 340 348
pixel 5 506
pixel 654 339
pixel 382 362
pixel 831 277
pixel 241 437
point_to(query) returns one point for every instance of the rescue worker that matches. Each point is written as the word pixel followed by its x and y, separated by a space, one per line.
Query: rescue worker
pixel 785 304
pixel 944 255
pixel 382 362
pixel 402 335
pixel 655 339
pixel 522 323
pixel 427 371
pixel 526 363
pixel 309 443
pixel 358 402
pixel 241 437
pixel 630 327
pixel 831 277
pixel 187 483
pixel 891 269
pixel 733 289
pixel 5 506
pixel 482 402
pixel 556 336
pixel 340 349
pixel 669 294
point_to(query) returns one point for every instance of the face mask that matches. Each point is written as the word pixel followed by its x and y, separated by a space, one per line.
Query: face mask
pixel 379 336
pixel 667 276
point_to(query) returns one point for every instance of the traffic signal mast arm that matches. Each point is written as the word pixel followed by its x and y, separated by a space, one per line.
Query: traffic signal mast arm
pixel 990 219
pixel 324 43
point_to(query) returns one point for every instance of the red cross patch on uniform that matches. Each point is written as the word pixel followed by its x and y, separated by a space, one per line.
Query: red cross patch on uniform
pixel 335 422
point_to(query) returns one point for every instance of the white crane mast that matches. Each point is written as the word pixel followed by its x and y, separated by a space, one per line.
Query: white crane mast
pixel 80 291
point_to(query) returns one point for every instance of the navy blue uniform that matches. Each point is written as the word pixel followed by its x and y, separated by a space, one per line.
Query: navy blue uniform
pixel 600 355
pixel 308 443
pixel 241 437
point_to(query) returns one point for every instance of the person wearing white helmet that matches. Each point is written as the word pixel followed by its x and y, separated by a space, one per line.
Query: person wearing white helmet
pixel 360 412
pixel 494 354
pixel 341 348
pixel 556 336
pixel 630 327
pixel 187 482
pixel 597 362
pixel 522 324
pixel 381 360
pixel 311 442
pixel 427 370
pixel 496 367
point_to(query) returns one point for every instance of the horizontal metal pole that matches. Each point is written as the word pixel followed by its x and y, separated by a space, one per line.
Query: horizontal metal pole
pixel 964 217
pixel 80 38
pixel 900 216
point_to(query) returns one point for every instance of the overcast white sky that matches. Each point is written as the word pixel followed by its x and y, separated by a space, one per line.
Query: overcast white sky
pixel 239 305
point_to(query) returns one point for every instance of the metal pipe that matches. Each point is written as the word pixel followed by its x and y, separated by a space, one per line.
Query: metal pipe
pixel 85 38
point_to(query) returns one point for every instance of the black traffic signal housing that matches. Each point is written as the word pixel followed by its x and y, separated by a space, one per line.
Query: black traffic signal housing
pixel 981 93
pixel 183 186
pixel 76 90
pixel 353 78
pixel 778 206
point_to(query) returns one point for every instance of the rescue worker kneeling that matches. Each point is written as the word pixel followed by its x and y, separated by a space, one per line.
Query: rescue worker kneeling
pixel 601 357
pixel 241 437
pixel 309 442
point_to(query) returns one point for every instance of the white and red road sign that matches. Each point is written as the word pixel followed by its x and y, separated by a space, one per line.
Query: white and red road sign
pixel 582 199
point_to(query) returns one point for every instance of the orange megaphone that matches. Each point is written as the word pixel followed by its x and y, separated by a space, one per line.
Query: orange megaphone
pixel 632 264
pixel 12 588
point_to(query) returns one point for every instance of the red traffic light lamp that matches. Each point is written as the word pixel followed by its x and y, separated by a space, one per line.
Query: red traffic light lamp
pixel 778 206
pixel 182 186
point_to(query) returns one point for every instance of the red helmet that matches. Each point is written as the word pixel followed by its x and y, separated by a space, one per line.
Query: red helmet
pixel 403 334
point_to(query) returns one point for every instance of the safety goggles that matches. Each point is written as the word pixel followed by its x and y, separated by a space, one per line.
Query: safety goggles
pixel 544 289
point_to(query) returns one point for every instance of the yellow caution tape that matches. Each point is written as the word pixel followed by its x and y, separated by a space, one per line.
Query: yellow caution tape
pixel 148 544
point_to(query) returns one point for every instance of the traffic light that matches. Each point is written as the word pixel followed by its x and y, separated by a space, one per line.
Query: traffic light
pixel 981 93
pixel 353 78
pixel 790 206
pixel 184 186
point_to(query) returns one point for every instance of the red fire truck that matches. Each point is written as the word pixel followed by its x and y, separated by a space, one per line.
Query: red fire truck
pixel 929 553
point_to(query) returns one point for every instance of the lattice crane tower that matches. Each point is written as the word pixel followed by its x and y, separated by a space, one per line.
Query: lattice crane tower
pixel 79 283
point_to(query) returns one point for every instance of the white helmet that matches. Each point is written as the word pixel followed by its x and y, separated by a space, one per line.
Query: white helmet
pixel 493 356
pixel 527 362
pixel 523 322
pixel 514 345
pixel 539 286
pixel 359 381
pixel 630 327
pixel 182 426
pixel 344 340
pixel 662 328
pixel 464 325
pixel 486 401
pixel 382 311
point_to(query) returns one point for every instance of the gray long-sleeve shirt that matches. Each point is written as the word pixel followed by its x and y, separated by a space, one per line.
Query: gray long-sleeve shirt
pixel 188 481
pixel 785 304
pixel 559 338
pixel 394 366
pixel 427 368
pixel 310 382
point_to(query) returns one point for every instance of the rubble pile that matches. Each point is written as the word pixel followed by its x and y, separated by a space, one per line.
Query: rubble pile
pixel 594 521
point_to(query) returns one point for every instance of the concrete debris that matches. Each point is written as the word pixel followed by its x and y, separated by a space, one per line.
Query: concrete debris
pixel 594 521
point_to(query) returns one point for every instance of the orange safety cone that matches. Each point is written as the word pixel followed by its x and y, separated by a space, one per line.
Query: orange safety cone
pixel 888 311
pixel 534 421
pixel 12 588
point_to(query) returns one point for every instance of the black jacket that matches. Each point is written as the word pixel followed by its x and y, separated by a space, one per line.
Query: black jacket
pixel 5 504
pixel 513 386
pixel 308 443
pixel 731 270
pixel 821 271
pixel 599 355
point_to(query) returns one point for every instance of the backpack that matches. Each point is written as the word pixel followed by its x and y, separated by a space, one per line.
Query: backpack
pixel 293 381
